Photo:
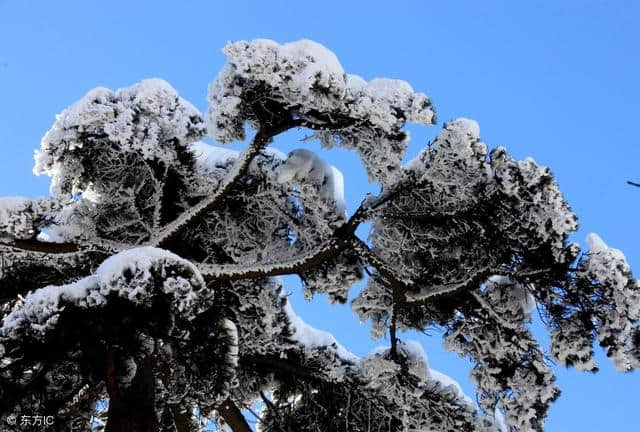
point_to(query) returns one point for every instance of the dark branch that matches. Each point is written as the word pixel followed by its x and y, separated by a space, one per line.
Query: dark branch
pixel 273 408
pixel 392 333
pixel 432 217
pixel 454 288
pixel 279 365
pixel 233 416
pixel 37 246
pixel 340 240
pixel 398 286
pixel 21 272
pixel 297 265
pixel 262 138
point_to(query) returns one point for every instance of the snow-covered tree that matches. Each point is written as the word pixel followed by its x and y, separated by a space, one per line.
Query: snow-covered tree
pixel 149 278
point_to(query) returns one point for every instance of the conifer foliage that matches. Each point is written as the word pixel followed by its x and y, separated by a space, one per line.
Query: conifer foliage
pixel 144 295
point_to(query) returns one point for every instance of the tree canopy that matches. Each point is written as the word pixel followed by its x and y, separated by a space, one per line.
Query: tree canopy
pixel 149 278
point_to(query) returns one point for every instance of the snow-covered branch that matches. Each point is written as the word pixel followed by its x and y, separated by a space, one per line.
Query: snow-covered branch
pixel 305 262
pixel 240 166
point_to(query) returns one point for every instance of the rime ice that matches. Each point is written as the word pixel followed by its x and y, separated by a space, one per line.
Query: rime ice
pixel 150 276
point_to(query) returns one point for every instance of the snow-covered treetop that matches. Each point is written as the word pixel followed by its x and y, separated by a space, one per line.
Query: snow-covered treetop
pixel 133 275
pixel 150 276
pixel 305 81
pixel 148 119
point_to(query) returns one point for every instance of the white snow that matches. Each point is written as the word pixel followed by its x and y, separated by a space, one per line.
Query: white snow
pixel 384 93
pixel 597 245
pixel 304 166
pixel 52 234
pixel 417 358
pixel 609 268
pixel 322 67
pixel 232 331
pixel 500 421
pixel 607 264
pixel 416 351
pixel 136 260
pixel 460 136
pixel 272 151
pixel 11 205
pixel 140 263
pixel 148 118
pixel 355 82
pixel 15 219
pixel 311 337
pixel 313 50
pixel 40 310
pixel 128 274
pixel 338 190
pixel 467 125
pixel 419 366
pixel 308 79
pixel 449 383
pixel 20 217
pixel 211 157
pixel 518 293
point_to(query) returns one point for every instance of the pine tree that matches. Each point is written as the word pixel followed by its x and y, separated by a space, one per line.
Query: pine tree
pixel 144 295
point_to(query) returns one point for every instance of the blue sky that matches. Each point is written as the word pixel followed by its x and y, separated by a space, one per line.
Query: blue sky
pixel 554 80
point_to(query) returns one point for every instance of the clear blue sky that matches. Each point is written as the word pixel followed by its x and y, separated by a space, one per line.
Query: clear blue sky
pixel 557 80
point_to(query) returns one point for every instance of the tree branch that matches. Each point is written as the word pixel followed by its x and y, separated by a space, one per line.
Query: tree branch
pixel 233 416
pixel 279 365
pixel 392 332
pixel 398 285
pixel 401 287
pixel 172 230
pixel 489 308
pixel 21 272
pixel 450 289
pixel 340 240
pixel 275 410
pixel 262 270
pixel 48 248
pixel 433 217
pixel 37 246
pixel 131 407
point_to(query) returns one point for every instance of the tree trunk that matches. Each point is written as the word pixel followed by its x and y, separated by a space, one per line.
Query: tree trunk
pixel 131 408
